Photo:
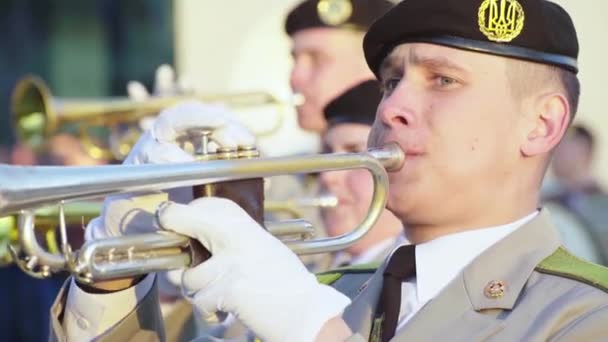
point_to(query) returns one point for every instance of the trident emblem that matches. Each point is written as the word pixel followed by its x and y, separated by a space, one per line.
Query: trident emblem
pixel 334 12
pixel 501 20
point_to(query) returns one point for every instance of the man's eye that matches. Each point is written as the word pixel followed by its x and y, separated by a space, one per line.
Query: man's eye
pixel 389 85
pixel 444 81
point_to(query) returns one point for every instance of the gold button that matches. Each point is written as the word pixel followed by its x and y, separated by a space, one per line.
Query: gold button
pixel 495 289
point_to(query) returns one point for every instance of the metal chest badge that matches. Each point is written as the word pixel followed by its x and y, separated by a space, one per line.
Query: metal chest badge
pixel 501 20
pixel 334 12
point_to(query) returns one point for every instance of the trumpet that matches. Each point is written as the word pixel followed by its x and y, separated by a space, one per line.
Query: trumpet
pixel 25 188
pixel 38 115
pixel 77 214
pixel 293 207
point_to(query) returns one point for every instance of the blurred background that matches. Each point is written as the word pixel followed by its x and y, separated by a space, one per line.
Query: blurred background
pixel 94 48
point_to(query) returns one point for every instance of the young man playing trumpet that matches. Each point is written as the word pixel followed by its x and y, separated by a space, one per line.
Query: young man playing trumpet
pixel 478 109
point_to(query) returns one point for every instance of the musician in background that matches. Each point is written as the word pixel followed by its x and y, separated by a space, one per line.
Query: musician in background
pixel 326 41
pixel 349 118
pixel 326 38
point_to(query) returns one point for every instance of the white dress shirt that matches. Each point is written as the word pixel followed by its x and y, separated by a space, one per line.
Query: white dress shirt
pixel 374 253
pixel 439 261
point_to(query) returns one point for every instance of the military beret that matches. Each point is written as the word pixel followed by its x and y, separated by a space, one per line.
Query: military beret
pixel 534 30
pixel 355 14
pixel 356 105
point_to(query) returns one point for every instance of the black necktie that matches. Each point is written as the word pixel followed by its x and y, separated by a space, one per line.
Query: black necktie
pixel 401 266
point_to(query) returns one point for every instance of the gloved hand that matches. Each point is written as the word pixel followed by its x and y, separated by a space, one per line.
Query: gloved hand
pixel 251 274
pixel 165 84
pixel 126 214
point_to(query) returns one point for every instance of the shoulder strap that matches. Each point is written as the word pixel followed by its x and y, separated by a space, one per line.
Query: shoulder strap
pixel 562 263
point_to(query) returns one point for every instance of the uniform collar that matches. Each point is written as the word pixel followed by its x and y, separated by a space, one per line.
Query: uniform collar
pixel 511 261
pixel 379 251
pixel 440 260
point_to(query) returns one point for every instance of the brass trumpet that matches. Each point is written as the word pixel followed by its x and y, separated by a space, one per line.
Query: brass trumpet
pixel 77 214
pixel 38 115
pixel 23 189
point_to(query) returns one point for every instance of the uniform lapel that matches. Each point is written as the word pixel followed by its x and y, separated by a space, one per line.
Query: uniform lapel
pixel 360 313
pixel 464 310
pixel 449 307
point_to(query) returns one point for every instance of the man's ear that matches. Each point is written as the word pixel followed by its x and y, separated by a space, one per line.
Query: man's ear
pixel 552 117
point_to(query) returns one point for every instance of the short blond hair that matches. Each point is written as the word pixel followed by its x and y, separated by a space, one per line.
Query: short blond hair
pixel 528 77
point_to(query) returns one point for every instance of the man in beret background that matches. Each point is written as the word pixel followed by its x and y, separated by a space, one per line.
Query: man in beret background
pixel 478 93
pixel 326 37
pixel 350 117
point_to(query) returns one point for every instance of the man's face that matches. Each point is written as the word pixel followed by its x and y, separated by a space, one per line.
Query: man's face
pixel 453 113
pixel 327 62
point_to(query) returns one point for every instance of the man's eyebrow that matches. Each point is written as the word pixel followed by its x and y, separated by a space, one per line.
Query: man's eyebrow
pixel 391 65
pixel 434 62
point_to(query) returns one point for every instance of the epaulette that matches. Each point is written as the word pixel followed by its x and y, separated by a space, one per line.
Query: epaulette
pixel 563 264
pixel 331 276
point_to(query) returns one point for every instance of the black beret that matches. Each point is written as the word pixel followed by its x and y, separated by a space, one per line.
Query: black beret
pixel 356 105
pixel 355 14
pixel 534 30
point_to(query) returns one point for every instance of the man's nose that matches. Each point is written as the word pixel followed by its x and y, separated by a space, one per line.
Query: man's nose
pixel 330 179
pixel 299 76
pixel 398 108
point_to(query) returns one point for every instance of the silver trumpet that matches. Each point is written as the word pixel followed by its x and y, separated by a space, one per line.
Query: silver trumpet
pixel 23 189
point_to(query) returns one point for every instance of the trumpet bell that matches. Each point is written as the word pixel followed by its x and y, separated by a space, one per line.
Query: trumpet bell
pixel 38 115
pixel 33 116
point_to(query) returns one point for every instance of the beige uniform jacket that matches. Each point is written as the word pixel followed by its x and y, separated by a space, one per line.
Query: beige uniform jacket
pixel 548 295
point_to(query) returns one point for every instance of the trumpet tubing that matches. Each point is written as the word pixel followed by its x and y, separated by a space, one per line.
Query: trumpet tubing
pixel 294 207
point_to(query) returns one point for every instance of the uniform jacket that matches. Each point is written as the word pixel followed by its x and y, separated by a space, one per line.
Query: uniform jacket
pixel 547 295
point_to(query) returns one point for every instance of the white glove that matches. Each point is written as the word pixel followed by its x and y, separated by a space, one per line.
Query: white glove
pixel 126 214
pixel 165 84
pixel 251 274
